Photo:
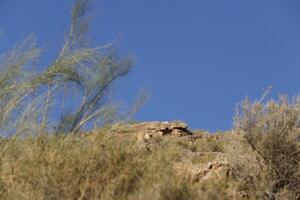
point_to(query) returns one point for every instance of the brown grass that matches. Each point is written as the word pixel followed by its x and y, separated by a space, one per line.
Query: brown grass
pixel 99 166
pixel 111 163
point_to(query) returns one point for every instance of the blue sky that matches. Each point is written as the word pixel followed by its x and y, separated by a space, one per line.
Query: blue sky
pixel 196 58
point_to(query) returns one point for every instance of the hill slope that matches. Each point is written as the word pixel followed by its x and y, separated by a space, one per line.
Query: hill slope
pixel 151 160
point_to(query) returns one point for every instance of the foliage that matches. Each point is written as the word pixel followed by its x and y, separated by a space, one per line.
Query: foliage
pixel 76 83
pixel 271 130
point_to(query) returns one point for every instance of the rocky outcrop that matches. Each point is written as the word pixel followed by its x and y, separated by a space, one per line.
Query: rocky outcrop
pixel 215 166
pixel 197 166
pixel 147 130
pixel 216 169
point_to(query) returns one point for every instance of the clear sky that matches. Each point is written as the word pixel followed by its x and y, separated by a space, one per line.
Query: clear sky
pixel 197 58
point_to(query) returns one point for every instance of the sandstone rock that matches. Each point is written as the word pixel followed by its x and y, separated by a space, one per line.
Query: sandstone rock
pixel 148 130
pixel 216 169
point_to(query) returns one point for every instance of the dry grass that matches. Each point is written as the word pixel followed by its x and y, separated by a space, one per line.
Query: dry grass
pixel 111 163
pixel 101 165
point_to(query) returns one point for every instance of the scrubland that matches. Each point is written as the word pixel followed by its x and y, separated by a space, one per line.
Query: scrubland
pixel 258 159
pixel 64 137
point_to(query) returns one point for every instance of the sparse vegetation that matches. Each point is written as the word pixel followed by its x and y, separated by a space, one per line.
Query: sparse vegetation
pixel 258 159
pixel 73 87
pixel 111 163
pixel 100 165
pixel 272 132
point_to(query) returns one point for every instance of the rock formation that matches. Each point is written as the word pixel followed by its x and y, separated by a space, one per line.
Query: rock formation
pixel 148 130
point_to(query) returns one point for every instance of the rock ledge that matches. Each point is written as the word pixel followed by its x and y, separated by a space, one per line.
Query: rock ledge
pixel 148 130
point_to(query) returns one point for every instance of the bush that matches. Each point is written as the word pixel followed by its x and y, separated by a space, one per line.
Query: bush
pixel 271 130
pixel 70 94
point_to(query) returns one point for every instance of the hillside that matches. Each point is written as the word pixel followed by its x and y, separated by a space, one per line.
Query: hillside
pixel 68 103
pixel 150 160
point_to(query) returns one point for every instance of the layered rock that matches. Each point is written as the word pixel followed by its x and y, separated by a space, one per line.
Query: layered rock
pixel 147 130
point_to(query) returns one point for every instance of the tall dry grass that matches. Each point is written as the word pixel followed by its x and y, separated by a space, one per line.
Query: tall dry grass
pixel 101 165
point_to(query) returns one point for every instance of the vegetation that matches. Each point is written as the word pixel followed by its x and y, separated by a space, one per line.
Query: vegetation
pixel 258 159
pixel 272 132
pixel 29 98
pixel 102 165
